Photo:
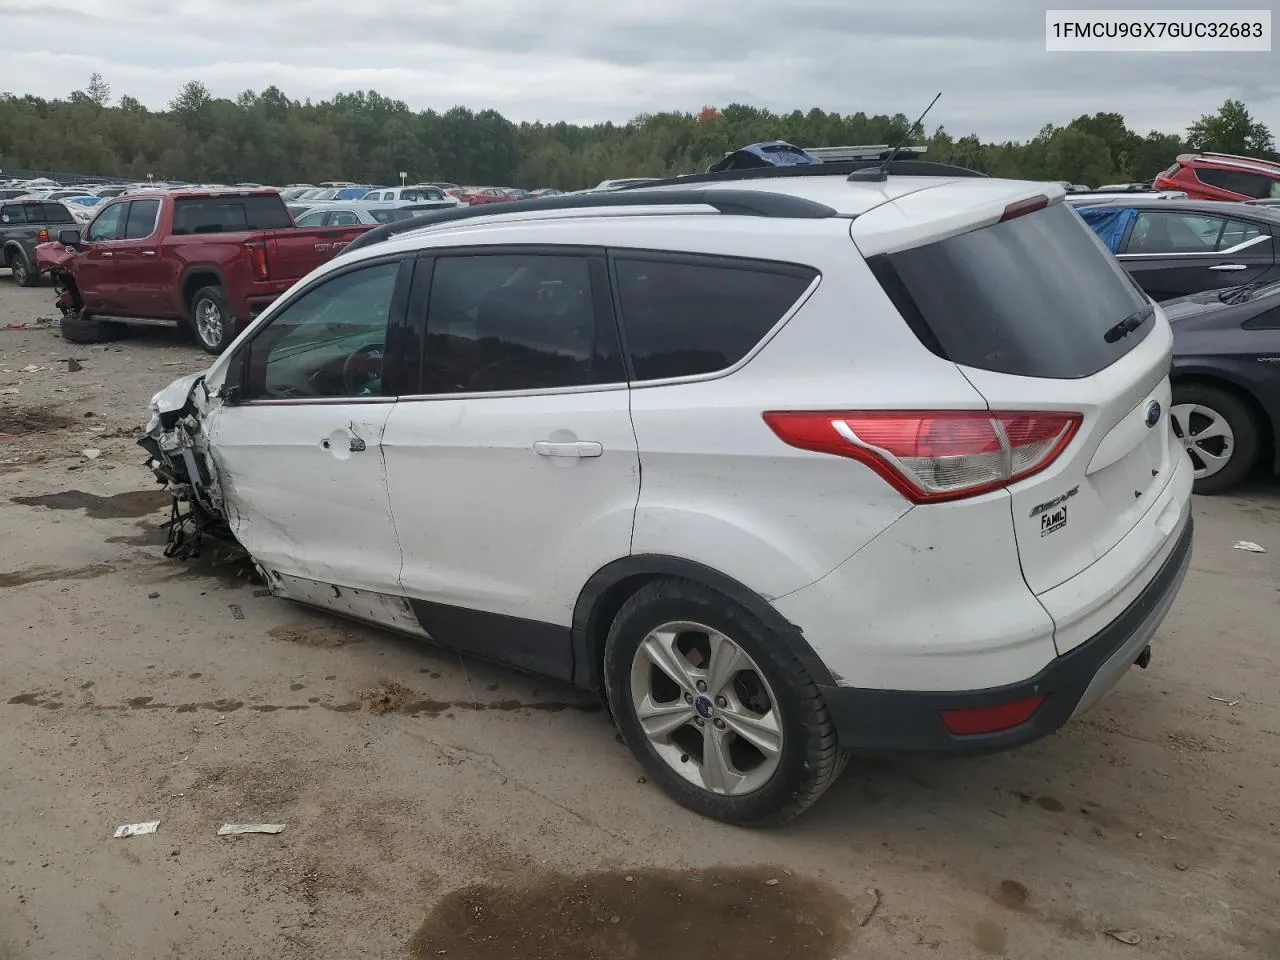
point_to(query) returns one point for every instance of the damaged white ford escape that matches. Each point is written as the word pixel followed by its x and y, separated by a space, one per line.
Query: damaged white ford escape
pixel 787 467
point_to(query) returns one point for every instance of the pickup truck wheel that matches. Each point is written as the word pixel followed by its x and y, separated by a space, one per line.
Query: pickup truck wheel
pixel 212 320
pixel 23 274
pixel 82 328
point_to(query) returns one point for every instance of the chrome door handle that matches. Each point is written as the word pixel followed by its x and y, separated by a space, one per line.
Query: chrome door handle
pixel 573 448
pixel 148 253
pixel 106 253
pixel 1229 267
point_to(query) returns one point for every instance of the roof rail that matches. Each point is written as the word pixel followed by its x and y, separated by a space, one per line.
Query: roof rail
pixel 747 203
pixel 876 151
pixel 902 168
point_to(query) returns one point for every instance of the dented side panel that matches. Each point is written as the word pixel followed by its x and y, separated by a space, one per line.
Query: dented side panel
pixel 303 488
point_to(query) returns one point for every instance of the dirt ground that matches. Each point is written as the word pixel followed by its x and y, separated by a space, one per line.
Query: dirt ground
pixel 436 807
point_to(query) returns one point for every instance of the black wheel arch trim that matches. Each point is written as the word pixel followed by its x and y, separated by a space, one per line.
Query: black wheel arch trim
pixel 587 631
pixel 191 270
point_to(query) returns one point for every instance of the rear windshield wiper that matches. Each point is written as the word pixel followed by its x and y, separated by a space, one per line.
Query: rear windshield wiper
pixel 1129 324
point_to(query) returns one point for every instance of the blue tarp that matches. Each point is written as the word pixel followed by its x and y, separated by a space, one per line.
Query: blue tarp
pixel 1109 223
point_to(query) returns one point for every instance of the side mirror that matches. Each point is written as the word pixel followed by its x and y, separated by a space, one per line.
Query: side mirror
pixel 69 238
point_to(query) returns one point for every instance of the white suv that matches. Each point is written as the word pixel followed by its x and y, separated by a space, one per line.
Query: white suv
pixel 788 467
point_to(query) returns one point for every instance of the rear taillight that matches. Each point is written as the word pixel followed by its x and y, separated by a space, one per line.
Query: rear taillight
pixel 934 455
pixel 258 254
pixel 43 235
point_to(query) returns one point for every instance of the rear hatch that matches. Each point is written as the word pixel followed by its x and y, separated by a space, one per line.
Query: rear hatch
pixel 1039 316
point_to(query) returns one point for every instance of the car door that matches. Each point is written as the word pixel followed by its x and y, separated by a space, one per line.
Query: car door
pixel 1176 252
pixel 139 283
pixel 513 473
pixel 95 266
pixel 299 446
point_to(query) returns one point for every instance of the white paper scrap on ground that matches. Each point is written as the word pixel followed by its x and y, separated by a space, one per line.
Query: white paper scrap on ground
pixel 1250 546
pixel 234 829
pixel 137 829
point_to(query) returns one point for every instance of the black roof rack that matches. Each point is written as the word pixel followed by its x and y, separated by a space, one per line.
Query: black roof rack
pixel 902 168
pixel 746 203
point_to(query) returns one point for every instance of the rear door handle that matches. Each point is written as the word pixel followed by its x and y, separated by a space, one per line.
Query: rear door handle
pixel 572 448
pixel 1228 267
pixel 106 253
pixel 148 253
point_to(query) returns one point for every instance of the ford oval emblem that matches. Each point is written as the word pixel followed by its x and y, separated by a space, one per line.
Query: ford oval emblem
pixel 1153 413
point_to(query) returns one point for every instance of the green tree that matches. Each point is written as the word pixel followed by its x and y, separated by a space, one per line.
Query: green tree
pixel 99 90
pixel 1231 130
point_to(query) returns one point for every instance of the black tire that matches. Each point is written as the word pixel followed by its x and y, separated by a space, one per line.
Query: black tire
pixel 82 328
pixel 1243 425
pixel 24 275
pixel 810 759
pixel 212 298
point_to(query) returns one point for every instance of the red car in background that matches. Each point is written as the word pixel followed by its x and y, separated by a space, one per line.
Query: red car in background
pixel 1221 176
pixel 476 196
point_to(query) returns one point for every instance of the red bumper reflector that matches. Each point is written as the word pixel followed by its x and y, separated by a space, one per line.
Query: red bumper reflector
pixel 1005 716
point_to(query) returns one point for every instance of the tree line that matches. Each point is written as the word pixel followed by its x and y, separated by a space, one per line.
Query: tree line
pixel 266 137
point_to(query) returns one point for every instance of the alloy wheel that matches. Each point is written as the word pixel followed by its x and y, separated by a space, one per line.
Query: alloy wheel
pixel 209 323
pixel 1206 435
pixel 706 708
pixel 19 272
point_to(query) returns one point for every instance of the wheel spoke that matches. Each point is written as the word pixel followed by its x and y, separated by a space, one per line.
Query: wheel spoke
pixel 762 733
pixel 718 774
pixel 1217 428
pixel 660 720
pixel 1214 458
pixel 659 647
pixel 726 662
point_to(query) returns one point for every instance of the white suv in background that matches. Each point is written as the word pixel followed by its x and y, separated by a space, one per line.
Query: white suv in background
pixel 788 467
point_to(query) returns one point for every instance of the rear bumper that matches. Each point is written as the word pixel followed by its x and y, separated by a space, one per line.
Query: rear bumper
pixel 878 722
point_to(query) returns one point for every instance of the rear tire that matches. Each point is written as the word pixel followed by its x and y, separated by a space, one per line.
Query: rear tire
pixel 768 694
pixel 82 328
pixel 1224 426
pixel 212 320
pixel 23 273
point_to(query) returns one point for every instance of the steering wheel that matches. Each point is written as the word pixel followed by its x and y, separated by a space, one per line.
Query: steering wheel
pixel 361 368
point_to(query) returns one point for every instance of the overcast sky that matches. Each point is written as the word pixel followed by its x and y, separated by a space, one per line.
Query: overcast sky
pixel 592 60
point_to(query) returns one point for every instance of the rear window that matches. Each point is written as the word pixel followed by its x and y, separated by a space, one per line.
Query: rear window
pixel 230 214
pixel 1034 296
pixel 390 216
pixel 57 213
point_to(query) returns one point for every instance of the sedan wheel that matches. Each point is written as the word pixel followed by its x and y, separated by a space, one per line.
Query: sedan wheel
pixel 706 708
pixel 1206 435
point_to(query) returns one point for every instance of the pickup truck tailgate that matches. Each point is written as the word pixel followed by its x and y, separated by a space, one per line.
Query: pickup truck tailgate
pixel 292 254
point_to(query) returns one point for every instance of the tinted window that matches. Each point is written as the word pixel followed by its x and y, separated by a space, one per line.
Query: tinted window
pixel 390 216
pixel 327 343
pixel 1237 181
pixel 1034 296
pixel 1270 320
pixel 106 225
pixel 1237 232
pixel 57 213
pixel 141 220
pixel 230 214
pixel 513 322
pixel 1163 231
pixel 13 214
pixel 683 318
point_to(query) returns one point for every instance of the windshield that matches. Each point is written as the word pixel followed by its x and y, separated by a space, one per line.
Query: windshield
pixel 1035 296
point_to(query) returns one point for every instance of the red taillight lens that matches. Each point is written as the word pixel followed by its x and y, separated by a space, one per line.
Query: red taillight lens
pixel 934 455
pixel 971 720
pixel 258 253
pixel 43 235
pixel 1023 207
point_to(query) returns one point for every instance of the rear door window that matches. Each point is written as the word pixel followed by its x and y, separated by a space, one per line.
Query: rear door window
pixel 141 221
pixel 686 316
pixel 1035 296
pixel 1237 232
pixel 1157 232
pixel 502 322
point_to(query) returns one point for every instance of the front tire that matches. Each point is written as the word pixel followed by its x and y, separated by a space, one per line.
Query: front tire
pixel 1219 433
pixel 715 707
pixel 80 327
pixel 212 320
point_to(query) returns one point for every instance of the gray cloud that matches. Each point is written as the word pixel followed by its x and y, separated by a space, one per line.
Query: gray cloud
pixel 588 60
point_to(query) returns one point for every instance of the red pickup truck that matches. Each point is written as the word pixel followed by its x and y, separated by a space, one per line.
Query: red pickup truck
pixel 212 259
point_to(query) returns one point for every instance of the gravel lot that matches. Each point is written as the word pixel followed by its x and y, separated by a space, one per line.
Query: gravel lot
pixel 441 807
